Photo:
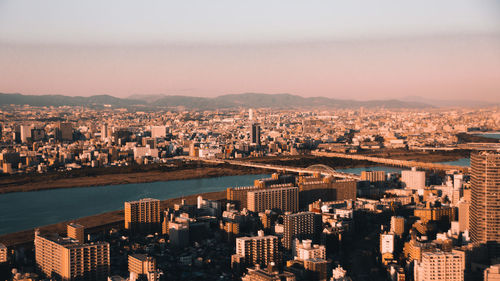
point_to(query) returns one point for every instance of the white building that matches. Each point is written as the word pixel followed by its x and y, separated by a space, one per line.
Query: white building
pixel 306 250
pixel 492 273
pixel 413 179
pixel 387 243
pixel 158 131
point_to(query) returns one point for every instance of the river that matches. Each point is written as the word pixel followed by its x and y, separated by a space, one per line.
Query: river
pixel 25 210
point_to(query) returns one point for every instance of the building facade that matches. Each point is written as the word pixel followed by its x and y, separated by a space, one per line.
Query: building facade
pixel 142 215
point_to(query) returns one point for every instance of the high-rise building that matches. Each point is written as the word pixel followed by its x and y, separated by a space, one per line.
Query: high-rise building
pixel 141 264
pixel 326 189
pixel 387 242
pixel 492 273
pixel 413 179
pixel 284 198
pixel 64 131
pixel 67 259
pixel 142 215
pixel 104 132
pixel 304 225
pixel 398 225
pixel 238 195
pixel 441 266
pixel 25 133
pixel 484 211
pixel 255 134
pixel 258 250
pixel 76 232
pixel 158 131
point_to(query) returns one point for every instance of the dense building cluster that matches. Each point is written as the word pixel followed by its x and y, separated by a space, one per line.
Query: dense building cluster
pixel 41 139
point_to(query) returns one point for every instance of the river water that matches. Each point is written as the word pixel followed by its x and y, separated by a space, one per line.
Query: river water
pixel 25 210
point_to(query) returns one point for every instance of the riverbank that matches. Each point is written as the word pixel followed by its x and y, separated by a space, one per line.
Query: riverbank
pixel 96 223
pixel 24 184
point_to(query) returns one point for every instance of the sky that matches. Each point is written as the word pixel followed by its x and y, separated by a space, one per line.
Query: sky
pixel 447 49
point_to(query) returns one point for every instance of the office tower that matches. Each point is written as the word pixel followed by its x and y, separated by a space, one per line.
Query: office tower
pixel 65 131
pixel 398 225
pixel 258 250
pixel 3 253
pixel 413 179
pixel 141 264
pixel 304 225
pixel 104 132
pixel 25 133
pixel 441 266
pixel 492 273
pixel 76 232
pixel 485 199
pixel 67 259
pixel 373 176
pixel 284 198
pixel 387 241
pixel 306 250
pixel 250 114
pixel 463 215
pixel 142 215
pixel 255 134
pixel 158 131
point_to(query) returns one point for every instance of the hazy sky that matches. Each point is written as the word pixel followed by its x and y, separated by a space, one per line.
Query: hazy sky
pixel 343 49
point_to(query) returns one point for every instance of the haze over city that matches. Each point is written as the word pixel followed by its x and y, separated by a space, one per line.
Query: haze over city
pixel 356 49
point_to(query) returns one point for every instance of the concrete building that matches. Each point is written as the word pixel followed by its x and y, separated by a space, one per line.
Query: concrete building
pixel 387 242
pixel 373 176
pixel 76 232
pixel 238 195
pixel 430 213
pixel 141 264
pixel 159 131
pixel 67 259
pixel 258 250
pixel 413 179
pixel 255 134
pixel 142 215
pixel 398 225
pixel 306 250
pixel 285 198
pixel 326 189
pixel 64 131
pixel 304 225
pixel 485 202
pixel 441 266
pixel 492 273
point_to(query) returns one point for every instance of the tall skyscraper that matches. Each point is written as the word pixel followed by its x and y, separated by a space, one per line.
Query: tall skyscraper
pixel 485 199
pixel 255 134
pixel 67 259
pixel 104 132
pixel 142 215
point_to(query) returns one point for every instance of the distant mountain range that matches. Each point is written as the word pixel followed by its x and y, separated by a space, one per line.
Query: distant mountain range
pixel 221 102
pixel 450 103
